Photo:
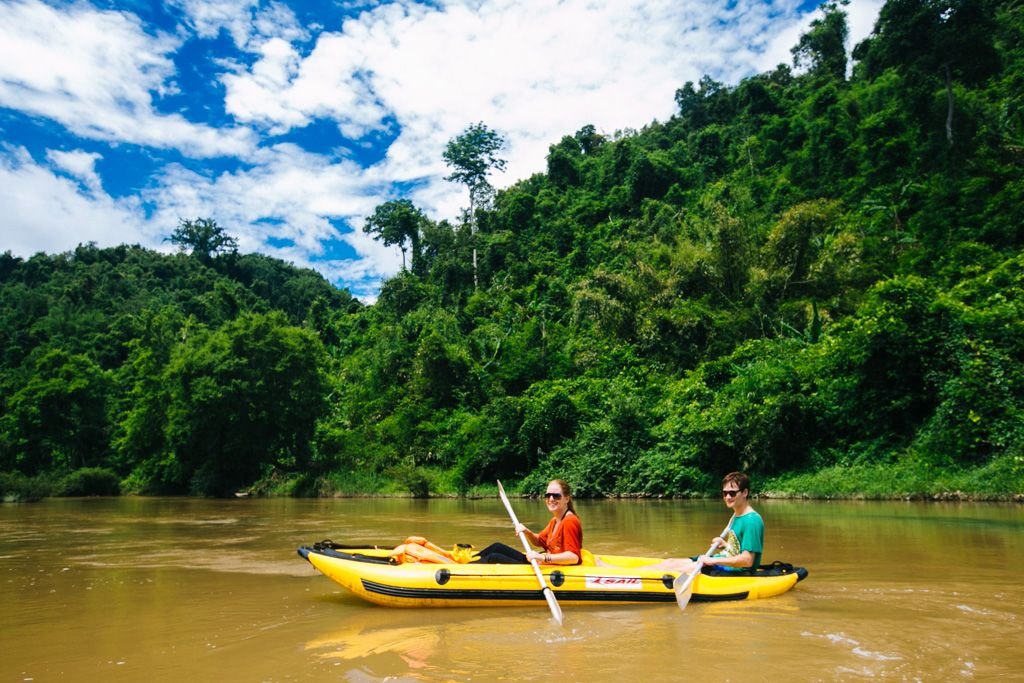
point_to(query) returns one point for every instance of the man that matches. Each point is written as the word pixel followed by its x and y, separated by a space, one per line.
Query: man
pixel 741 548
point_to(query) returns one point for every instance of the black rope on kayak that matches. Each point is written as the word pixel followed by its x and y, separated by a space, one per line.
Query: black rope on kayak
pixel 784 567
pixel 328 544
pixel 776 568
pixel 332 549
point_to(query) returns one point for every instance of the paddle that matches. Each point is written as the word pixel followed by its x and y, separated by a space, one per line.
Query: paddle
pixel 549 595
pixel 685 590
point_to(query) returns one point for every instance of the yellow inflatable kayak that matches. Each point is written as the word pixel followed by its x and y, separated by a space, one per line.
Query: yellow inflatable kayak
pixel 374 574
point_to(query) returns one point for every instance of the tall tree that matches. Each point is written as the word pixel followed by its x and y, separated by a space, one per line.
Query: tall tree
pixel 396 222
pixel 472 156
pixel 203 238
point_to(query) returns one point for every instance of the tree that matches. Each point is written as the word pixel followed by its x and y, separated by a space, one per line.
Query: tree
pixel 589 139
pixel 711 102
pixel 204 238
pixel 242 398
pixel 473 155
pixel 58 419
pixel 140 433
pixel 563 160
pixel 823 48
pixel 396 222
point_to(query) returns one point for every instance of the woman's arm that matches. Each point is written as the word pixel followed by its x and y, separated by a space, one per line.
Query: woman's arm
pixel 567 557
pixel 530 536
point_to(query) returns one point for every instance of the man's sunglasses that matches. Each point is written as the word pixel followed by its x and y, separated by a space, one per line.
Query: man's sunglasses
pixel 553 496
pixel 727 492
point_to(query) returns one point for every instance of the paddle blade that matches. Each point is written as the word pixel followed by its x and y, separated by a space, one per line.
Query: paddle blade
pixel 556 609
pixel 684 590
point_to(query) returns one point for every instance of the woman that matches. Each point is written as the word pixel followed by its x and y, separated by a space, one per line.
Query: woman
pixel 561 540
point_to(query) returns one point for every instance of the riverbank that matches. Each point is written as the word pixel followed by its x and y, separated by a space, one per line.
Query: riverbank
pixel 1001 480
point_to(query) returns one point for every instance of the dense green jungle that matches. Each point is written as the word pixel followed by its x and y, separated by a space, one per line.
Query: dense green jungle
pixel 815 276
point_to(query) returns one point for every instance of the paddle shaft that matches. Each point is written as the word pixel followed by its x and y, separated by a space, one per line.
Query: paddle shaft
pixel 689 579
pixel 549 595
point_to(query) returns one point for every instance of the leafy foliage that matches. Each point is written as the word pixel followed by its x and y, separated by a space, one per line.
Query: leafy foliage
pixel 90 481
pixel 816 270
pixel 165 370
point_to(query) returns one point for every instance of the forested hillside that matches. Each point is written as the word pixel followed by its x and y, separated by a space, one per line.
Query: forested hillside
pixel 814 275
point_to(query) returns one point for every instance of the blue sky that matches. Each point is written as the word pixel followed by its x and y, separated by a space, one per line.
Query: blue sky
pixel 288 122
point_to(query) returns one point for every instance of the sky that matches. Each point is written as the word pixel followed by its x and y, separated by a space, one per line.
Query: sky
pixel 288 122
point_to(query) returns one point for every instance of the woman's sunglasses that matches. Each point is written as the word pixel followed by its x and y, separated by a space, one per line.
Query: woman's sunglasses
pixel 553 496
pixel 730 493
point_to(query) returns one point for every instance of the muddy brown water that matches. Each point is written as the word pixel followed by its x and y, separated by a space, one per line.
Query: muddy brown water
pixel 147 589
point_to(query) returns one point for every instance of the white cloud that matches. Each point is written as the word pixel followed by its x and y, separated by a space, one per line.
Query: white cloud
pixel 533 69
pixel 208 18
pixel 248 22
pixel 43 209
pixel 79 164
pixel 94 72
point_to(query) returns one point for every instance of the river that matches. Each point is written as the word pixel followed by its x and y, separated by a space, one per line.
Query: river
pixel 185 589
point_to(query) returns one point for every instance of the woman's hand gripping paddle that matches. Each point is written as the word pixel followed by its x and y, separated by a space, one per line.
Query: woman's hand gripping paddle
pixel 684 590
pixel 549 595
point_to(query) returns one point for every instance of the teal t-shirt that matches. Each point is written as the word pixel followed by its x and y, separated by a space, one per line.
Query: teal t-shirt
pixel 746 533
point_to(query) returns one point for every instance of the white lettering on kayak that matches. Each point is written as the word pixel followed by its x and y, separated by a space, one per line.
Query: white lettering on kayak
pixel 629 583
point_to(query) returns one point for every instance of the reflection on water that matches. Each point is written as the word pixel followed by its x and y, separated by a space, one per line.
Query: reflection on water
pixel 168 589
